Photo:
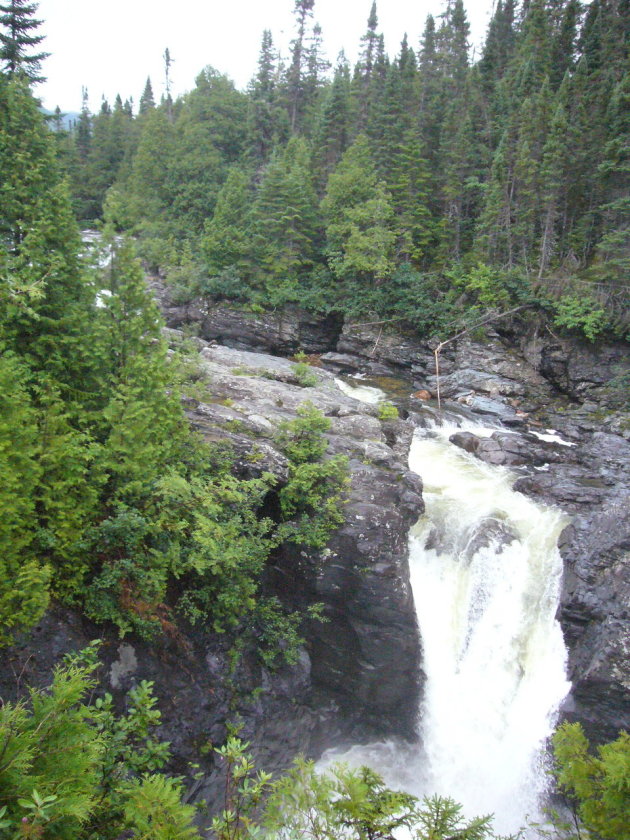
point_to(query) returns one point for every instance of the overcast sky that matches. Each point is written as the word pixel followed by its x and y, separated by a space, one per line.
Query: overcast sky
pixel 111 46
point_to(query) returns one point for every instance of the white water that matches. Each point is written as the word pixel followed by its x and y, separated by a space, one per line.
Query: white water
pixel 363 393
pixel 492 651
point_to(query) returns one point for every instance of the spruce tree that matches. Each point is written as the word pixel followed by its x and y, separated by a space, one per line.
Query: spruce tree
pixel 264 117
pixel 285 216
pixel 147 102
pixel 226 239
pixel 19 38
pixel 295 80
pixel 360 230
pixel 334 130
pixel 365 68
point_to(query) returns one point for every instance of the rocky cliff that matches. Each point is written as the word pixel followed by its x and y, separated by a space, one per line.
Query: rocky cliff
pixel 528 379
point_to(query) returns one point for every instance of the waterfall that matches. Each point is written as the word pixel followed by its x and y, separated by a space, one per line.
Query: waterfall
pixel 486 576
pixel 485 573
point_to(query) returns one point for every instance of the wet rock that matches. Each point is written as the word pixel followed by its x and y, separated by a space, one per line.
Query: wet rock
pixel 595 616
pixel 195 696
pixel 489 532
pixel 468 379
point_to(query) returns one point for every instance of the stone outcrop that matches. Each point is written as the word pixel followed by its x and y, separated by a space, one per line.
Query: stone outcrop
pixel 282 333
pixel 366 655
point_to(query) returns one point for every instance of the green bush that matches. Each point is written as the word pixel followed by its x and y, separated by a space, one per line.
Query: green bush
pixel 387 411
pixel 597 783
pixel 73 769
pixel 304 375
pixel 581 314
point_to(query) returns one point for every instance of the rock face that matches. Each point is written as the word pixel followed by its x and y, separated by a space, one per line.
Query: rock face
pixel 366 656
pixel 191 676
pixel 282 333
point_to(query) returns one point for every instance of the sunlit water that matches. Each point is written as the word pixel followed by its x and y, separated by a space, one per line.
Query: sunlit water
pixel 485 572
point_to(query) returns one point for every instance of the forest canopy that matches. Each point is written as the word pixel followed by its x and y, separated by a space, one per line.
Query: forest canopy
pixel 418 185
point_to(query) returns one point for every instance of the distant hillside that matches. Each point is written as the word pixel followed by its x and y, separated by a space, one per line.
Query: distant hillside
pixel 68 118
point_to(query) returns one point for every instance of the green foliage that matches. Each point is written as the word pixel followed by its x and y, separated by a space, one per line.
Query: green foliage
pixel 312 497
pixel 359 218
pixel 387 411
pixel 244 790
pixel 355 803
pixel 484 285
pixel 218 544
pixel 581 314
pixel 312 500
pixel 69 769
pixel 24 578
pixel 597 784
pixel 302 439
pixel 305 376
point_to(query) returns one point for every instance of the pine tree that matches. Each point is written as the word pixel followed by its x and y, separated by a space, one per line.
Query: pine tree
pixel 209 137
pixel 149 191
pixel 554 176
pixel 226 241
pixel 614 173
pixel 317 67
pixel 264 119
pixel 333 132
pixel 499 45
pixel 19 38
pixel 365 68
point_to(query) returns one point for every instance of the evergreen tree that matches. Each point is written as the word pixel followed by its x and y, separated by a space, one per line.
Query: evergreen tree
pixel 19 38
pixel 264 117
pixel 553 178
pixel 144 425
pixel 613 250
pixel 147 102
pixel 364 71
pixel 317 67
pixel 209 137
pixel 296 73
pixel 499 45
pixel 24 580
pixel 359 219
pixel 39 246
pixel 334 129
pixel 285 219
pixel 83 130
pixel 226 241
